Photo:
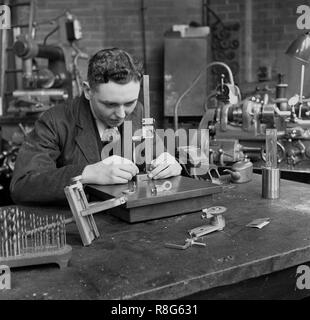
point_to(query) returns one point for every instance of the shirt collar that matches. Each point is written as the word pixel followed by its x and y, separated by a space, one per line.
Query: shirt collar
pixel 105 133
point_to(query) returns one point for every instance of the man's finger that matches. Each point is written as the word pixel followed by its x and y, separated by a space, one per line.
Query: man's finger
pixel 118 180
pixel 131 168
pixel 166 173
pixel 160 167
pixel 123 174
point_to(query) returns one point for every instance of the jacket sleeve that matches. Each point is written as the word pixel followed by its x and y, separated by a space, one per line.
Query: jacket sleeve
pixel 36 178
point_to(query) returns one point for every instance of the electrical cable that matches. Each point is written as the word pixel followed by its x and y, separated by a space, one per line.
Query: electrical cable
pixel 194 82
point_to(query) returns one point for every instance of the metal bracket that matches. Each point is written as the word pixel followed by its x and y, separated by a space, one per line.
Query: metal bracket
pixel 83 211
pixel 217 223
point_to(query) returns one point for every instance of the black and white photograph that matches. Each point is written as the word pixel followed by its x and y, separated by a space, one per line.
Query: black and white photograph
pixel 154 153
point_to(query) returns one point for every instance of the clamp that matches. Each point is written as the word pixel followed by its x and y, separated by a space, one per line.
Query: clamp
pixel 188 243
pixel 83 211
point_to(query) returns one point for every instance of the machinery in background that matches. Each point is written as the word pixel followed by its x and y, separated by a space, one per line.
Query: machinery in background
pixel 56 80
pixel 237 126
pixel 7 161
pixel 35 76
pixel 238 129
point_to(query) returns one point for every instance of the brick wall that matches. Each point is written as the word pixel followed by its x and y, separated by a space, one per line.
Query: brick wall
pixel 274 28
pixel 109 23
pixel 118 23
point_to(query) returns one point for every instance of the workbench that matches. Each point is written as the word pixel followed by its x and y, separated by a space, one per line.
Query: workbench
pixel 130 261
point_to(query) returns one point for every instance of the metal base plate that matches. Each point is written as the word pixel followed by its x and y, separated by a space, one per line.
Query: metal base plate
pixel 186 195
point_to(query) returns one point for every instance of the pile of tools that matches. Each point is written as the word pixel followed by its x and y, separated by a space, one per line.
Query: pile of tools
pixel 27 239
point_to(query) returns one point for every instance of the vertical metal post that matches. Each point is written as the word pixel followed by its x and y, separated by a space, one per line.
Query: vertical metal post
pixel 271 172
pixel 248 44
pixel 147 125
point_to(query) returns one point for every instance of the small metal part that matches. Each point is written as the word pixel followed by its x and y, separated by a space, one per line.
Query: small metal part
pixel 188 243
pixel 153 190
pixel 209 212
pixel 132 187
pixel 192 242
pixel 46 233
pixel 217 222
pixel 270 183
pixel 58 230
pixel 177 246
pixel 166 186
pixel 270 173
pixel 214 179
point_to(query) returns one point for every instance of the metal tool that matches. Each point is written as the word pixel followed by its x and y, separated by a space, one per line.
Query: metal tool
pixel 28 239
pixel 166 186
pixel 271 172
pixel 241 171
pixel 147 134
pixel 83 211
pixel 188 243
pixel 217 223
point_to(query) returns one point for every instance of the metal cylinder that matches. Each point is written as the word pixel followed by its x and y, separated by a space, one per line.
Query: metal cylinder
pixel 270 183
pixel 61 93
pixel 28 48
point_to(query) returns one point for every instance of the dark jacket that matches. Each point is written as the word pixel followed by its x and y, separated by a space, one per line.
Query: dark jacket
pixel 64 140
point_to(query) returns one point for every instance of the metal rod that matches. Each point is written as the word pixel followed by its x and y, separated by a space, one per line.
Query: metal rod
pixel 143 9
pixel 271 148
pixel 5 234
pixel 302 77
pixel 146 96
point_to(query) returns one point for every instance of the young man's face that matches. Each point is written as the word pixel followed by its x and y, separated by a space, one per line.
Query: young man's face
pixel 112 102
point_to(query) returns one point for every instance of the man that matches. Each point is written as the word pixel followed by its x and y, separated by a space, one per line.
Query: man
pixel 69 141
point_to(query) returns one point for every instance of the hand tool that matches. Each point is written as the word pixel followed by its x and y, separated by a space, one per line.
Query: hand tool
pixel 217 222
pixel 188 243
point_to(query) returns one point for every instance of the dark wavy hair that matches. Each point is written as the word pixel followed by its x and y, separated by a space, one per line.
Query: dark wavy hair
pixel 113 64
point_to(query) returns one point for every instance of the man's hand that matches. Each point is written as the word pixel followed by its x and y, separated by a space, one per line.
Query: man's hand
pixel 164 166
pixel 112 170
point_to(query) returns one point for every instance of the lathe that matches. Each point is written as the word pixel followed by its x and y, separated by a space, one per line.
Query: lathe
pixel 239 129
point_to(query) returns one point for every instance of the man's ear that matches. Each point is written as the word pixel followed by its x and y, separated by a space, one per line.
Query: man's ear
pixel 86 89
